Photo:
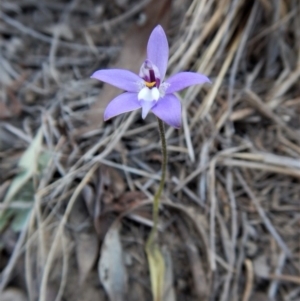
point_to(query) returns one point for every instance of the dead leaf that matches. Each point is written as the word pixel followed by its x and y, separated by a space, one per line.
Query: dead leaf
pixel 13 294
pixel 169 291
pixel 87 251
pixel 258 296
pixel 129 199
pixel 88 195
pixel 103 222
pixel 200 281
pixel 261 267
pixel 114 182
pixel 12 106
pixel 109 186
pixel 111 268
pixel 3 188
pixel 86 239
pixel 63 30
pixel 10 110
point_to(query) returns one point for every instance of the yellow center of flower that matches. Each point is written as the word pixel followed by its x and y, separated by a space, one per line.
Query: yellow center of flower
pixel 150 85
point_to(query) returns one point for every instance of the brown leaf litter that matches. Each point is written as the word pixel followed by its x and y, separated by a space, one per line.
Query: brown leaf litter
pixel 229 222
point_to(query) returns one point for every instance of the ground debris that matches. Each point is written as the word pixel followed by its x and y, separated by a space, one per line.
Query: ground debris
pixel 230 213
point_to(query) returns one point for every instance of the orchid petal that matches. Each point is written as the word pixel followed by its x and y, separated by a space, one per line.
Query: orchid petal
pixel 158 50
pixel 168 109
pixel 123 103
pixel 146 107
pixel 123 79
pixel 183 80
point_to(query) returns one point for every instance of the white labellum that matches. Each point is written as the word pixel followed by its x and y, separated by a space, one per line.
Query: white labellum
pixel 147 94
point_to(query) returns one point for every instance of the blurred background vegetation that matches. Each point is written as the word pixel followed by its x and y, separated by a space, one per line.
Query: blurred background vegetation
pixel 75 193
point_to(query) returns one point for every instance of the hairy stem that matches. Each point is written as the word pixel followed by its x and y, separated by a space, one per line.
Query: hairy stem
pixel 158 193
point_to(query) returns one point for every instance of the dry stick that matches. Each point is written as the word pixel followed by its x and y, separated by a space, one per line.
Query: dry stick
pixel 177 68
pixel 140 129
pixel 274 285
pixel 261 166
pixel 127 174
pixel 224 238
pixel 41 247
pixel 15 205
pixel 229 132
pixel 48 265
pixel 269 158
pixel 190 177
pixel 74 170
pixel 187 135
pixel 18 132
pixel 212 218
pixel 289 144
pixel 213 53
pixel 188 37
pixel 287 278
pixel 54 163
pixel 28 263
pixel 209 57
pixel 65 266
pixel 250 278
pixel 200 282
pixel 208 61
pixel 240 257
pixel 55 6
pixel 210 26
pixel 6 273
pixel 41 225
pixel 52 54
pixel 285 86
pixel 37 211
pixel 55 40
pixel 120 18
pixel 271 28
pixel 58 184
pixel 252 76
pixel 266 111
pixel 208 101
pixel 296 9
pixel 37 35
pixel 202 168
pixel 272 47
pixel 202 182
pixel 234 227
pixel 129 169
pixel 189 193
pixel 200 228
pixel 263 215
pixel 231 13
pixel 115 139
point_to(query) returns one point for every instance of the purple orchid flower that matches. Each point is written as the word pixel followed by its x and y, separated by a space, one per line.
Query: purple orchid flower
pixel 148 90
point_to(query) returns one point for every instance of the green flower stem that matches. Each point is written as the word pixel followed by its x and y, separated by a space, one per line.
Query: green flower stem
pixel 158 193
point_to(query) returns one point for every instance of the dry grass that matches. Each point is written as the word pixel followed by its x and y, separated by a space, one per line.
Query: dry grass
pixel 230 216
